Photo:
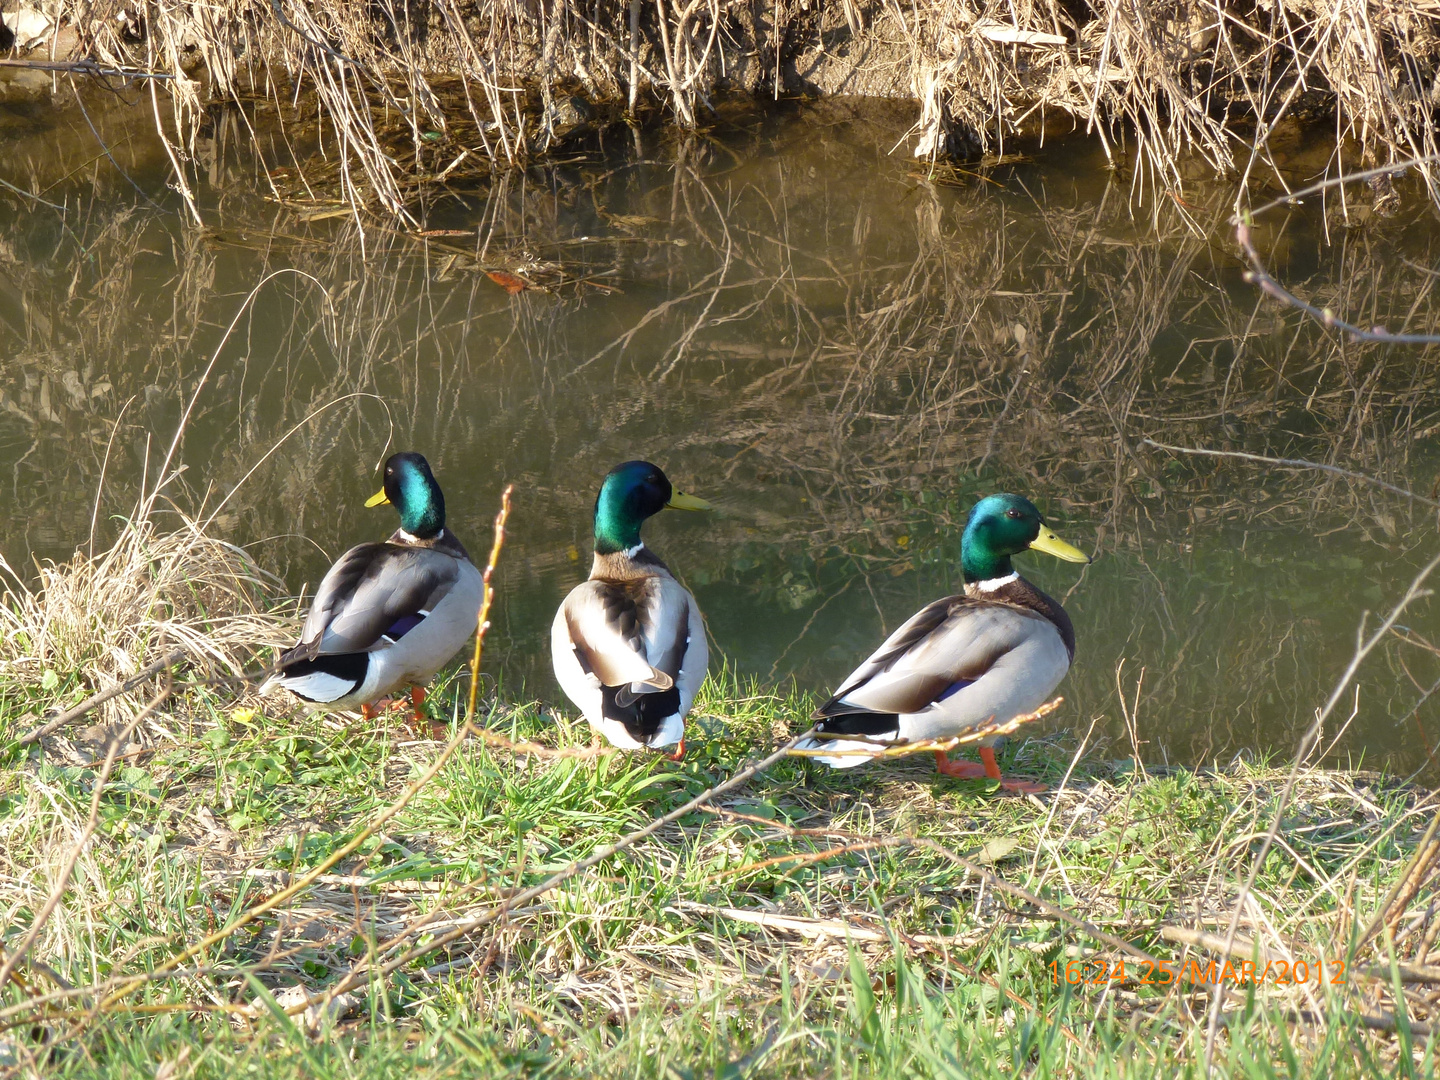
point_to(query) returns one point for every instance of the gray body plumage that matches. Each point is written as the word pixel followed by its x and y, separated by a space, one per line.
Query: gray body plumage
pixel 994 653
pixel 385 615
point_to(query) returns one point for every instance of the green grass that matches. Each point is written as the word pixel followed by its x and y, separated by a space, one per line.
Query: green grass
pixel 634 969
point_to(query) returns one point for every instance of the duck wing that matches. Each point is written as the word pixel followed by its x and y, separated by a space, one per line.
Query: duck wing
pixel 945 647
pixel 611 626
pixel 373 596
pixel 631 654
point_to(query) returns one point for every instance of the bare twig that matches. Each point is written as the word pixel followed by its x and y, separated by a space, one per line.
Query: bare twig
pixel 887 749
pixel 482 623
pixel 62 882
pixel 36 734
pixel 1292 463
pixel 86 67
pixel 1236 946
pixel 114 997
pixel 1258 275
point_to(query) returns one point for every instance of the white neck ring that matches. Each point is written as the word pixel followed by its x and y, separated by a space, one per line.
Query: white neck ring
pixel 991 584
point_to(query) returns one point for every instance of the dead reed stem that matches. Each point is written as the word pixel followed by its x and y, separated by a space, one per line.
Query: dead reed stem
pixel 371 827
pixel 403 89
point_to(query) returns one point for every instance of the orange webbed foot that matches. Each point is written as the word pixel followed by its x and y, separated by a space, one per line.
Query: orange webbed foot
pixel 1016 786
pixel 958 768
pixel 419 720
pixel 679 753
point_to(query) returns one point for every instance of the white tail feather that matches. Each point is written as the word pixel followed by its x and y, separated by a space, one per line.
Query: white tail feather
pixel 317 686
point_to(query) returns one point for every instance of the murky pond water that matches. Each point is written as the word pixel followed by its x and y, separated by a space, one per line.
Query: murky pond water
pixel 838 351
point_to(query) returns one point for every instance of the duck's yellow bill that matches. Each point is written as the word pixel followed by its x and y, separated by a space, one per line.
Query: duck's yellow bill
pixel 1051 544
pixel 378 499
pixel 681 501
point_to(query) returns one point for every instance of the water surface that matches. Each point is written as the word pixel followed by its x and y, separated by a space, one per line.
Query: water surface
pixel 837 349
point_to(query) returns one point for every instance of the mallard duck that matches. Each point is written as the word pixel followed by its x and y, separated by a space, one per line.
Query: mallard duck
pixel 628 645
pixel 387 614
pixel 994 652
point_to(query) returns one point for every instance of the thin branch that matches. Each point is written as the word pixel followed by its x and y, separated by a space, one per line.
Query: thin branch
pixel 1292 463
pixel 91 824
pixel 1258 275
pixel 1349 178
pixel 85 67
pixel 99 699
pixel 482 621
pixel 29 195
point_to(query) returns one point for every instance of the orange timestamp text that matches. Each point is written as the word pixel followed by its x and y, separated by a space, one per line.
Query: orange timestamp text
pixel 1166 972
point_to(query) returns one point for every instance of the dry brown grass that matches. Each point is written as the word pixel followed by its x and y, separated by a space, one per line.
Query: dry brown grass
pixel 95 621
pixel 419 91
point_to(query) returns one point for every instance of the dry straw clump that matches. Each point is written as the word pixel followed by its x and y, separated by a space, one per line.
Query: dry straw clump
pixel 420 90
pixel 95 621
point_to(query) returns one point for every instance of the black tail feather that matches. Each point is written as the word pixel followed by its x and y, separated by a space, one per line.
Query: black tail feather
pixel 349 667
pixel 859 723
pixel 642 714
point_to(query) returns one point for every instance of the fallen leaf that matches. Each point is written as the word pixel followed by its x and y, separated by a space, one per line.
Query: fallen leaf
pixel 509 282
pixel 995 850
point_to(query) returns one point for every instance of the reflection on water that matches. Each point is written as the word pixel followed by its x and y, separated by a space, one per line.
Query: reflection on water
pixel 837 351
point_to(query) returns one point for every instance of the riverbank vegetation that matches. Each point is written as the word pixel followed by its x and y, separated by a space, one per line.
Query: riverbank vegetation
pixel 843 401
pixel 388 98
pixel 840 349
pixel 169 892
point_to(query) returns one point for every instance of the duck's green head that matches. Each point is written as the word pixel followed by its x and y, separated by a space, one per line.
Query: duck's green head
pixel 630 493
pixel 411 488
pixel 1005 525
